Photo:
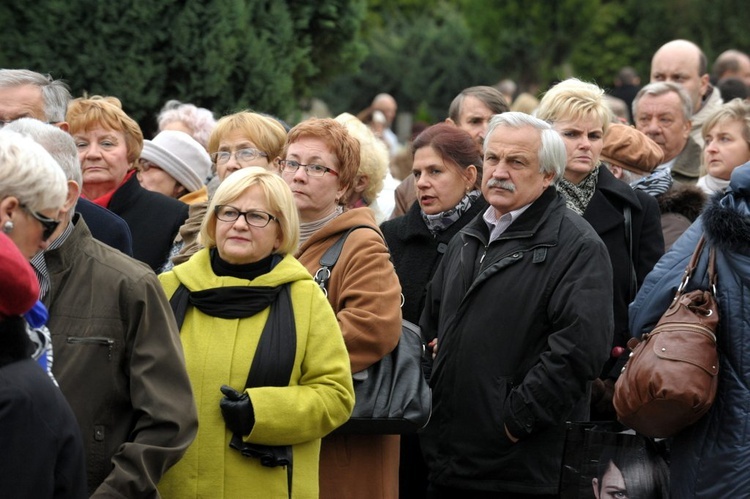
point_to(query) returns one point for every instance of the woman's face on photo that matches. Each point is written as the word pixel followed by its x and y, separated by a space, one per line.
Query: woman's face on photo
pixel 612 486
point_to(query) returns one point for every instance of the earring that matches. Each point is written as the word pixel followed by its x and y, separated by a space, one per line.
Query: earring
pixel 8 227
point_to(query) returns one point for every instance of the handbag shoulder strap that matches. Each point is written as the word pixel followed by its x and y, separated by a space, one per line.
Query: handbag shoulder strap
pixel 331 256
pixel 692 264
pixel 711 268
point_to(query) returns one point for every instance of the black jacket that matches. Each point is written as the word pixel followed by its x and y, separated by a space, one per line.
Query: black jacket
pixel 153 218
pixel 523 324
pixel 416 253
pixel 605 214
pixel 40 444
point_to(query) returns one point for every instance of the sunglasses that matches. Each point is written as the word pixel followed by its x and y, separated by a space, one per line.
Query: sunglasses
pixel 48 224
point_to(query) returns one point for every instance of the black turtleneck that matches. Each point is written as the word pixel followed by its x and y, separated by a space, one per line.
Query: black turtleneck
pixel 247 271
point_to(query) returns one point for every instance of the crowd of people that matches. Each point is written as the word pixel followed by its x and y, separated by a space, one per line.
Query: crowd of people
pixel 162 333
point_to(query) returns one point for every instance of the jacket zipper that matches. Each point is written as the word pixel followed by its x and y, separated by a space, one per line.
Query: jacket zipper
pixel 94 340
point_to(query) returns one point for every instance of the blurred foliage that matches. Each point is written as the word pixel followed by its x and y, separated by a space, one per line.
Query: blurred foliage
pixel 421 58
pixel 273 56
pixel 225 55
pixel 533 42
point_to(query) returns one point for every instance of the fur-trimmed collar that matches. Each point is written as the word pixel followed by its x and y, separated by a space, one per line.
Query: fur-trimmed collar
pixel 726 221
pixel 683 199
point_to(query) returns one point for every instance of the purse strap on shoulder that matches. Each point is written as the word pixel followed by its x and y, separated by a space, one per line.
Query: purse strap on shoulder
pixel 331 256
pixel 694 263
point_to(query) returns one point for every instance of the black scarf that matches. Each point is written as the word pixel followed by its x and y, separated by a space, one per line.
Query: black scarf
pixel 274 358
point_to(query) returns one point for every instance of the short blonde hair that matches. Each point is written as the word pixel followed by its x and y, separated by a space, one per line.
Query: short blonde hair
pixel 373 155
pixel 734 110
pixel 573 99
pixel 29 173
pixel 86 113
pixel 278 197
pixel 265 132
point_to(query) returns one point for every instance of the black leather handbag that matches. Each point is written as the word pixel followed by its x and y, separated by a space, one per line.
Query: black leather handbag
pixel 392 395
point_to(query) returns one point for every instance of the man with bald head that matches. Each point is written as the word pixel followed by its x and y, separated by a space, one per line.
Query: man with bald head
pixel 684 63
pixel 732 64
pixel 386 104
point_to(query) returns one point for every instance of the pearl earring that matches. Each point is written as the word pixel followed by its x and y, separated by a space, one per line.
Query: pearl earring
pixel 8 227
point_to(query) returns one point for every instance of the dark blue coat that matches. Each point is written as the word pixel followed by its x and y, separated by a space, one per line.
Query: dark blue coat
pixel 711 458
pixel 106 226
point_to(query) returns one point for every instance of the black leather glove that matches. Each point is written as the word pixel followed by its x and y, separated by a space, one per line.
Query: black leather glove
pixel 237 411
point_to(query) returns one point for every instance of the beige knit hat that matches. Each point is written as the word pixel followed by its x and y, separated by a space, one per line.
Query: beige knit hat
pixel 181 156
pixel 628 148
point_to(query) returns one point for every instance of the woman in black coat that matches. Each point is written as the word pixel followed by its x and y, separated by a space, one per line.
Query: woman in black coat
pixel 447 169
pixel 628 221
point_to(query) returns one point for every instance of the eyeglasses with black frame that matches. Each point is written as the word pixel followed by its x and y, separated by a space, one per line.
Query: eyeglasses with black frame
pixel 243 156
pixel 255 218
pixel 48 224
pixel 291 166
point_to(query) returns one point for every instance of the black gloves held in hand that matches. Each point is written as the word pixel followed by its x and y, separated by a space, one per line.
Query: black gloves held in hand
pixel 237 411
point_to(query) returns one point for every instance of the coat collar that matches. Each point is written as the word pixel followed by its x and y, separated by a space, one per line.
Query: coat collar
pixel 548 208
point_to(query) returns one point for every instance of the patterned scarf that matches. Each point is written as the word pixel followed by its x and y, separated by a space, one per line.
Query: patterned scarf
pixel 441 221
pixel 307 229
pixel 577 197
pixel 658 182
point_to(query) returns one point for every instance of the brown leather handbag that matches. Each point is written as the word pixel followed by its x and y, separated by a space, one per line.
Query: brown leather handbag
pixel 670 380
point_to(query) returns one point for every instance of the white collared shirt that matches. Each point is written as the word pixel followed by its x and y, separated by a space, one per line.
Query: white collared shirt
pixel 498 225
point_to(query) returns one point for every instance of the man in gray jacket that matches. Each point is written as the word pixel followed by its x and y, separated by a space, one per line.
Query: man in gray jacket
pixel 521 309
pixel 118 357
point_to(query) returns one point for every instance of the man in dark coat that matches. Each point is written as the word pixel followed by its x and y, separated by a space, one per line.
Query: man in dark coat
pixel 118 356
pixel 521 307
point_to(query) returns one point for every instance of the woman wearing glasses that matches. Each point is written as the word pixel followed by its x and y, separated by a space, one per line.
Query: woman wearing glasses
pixel 320 162
pixel 268 366
pixel 237 141
pixel 109 143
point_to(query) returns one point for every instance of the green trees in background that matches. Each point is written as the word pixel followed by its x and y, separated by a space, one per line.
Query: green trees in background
pixel 225 55
pixel 271 55
pixel 534 42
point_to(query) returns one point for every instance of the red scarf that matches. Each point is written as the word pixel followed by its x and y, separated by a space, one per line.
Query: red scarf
pixel 104 200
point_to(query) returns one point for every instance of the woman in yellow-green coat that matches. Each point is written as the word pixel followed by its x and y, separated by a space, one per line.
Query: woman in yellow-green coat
pixel 261 417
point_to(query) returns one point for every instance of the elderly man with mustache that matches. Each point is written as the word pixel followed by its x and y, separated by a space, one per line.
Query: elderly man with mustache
pixel 521 305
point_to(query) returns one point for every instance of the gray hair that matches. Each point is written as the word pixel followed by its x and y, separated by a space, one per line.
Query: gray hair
pixel 552 154
pixel 60 145
pixel 199 120
pixel 54 92
pixel 30 174
pixel 664 87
